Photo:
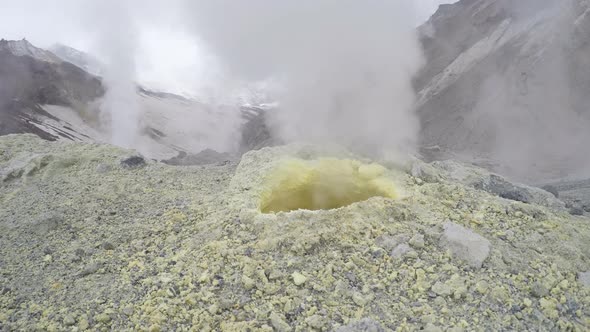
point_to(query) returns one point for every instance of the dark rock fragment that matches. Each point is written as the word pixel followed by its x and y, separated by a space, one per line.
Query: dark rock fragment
pixel 133 162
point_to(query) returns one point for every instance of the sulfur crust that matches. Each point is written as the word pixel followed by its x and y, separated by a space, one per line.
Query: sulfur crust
pixel 91 245
pixel 323 184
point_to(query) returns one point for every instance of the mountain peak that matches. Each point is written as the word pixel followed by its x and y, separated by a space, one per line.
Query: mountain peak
pixel 79 58
pixel 24 48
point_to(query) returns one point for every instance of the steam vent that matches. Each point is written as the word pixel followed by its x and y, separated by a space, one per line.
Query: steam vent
pixel 323 184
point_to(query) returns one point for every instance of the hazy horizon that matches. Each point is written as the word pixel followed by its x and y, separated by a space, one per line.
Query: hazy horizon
pixel 167 56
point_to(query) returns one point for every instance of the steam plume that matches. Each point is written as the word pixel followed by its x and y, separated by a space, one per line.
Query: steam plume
pixel 345 65
pixel 118 41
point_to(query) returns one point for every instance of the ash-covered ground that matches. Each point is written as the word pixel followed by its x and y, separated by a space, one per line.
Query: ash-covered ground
pixel 91 239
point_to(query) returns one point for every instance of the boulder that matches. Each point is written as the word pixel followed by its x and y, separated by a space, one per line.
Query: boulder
pixel 482 179
pixel 465 244
pixel 497 185
pixel 133 162
pixel 363 325
pixel 205 157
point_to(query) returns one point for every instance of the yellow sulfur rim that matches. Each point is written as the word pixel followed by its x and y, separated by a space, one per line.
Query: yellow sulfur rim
pixel 323 184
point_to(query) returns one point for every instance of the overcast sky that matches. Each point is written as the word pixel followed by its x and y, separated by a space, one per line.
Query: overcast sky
pixel 167 56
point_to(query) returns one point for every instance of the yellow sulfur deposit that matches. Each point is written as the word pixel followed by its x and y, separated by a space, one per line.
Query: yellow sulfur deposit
pixel 323 184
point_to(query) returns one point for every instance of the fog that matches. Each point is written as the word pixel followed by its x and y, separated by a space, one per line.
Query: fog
pixel 341 77
pixel 535 107
pixel 344 67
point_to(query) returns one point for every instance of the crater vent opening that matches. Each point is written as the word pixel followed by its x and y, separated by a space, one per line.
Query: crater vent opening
pixel 323 184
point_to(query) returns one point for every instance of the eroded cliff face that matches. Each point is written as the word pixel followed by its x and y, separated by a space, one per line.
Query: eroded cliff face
pixel 94 239
pixel 31 77
pixel 507 84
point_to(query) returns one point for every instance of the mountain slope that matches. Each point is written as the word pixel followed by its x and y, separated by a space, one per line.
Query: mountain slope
pixel 507 82
pixel 32 77
pixel 25 48
pixel 505 86
pixel 81 59
pixel 51 97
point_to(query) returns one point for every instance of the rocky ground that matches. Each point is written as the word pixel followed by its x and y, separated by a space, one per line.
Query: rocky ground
pixel 92 238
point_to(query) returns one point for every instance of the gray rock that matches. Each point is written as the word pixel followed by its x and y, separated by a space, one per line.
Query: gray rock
pixel 378 252
pixel 103 168
pixel 497 185
pixel 584 278
pixel 90 269
pixel 431 328
pixel 552 190
pixel 256 134
pixel 464 244
pixel 400 250
pixel 69 320
pixel 389 243
pixel 108 246
pixel 441 289
pixel 482 179
pixel 128 310
pixel 133 162
pixel 278 322
pixel 575 194
pixel 316 322
pixel 425 172
pixel 539 290
pixel 205 157
pixel 576 210
pixel 363 325
pixel 417 241
pixel 24 166
pixel 49 222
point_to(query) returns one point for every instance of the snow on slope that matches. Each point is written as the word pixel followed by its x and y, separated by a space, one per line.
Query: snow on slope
pixel 168 126
pixel 23 47
pixel 58 100
pixel 81 59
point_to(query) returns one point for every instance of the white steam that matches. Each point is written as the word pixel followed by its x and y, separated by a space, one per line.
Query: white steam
pixel 345 66
pixel 117 39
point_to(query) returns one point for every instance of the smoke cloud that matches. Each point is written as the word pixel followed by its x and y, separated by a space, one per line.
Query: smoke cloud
pixel 344 66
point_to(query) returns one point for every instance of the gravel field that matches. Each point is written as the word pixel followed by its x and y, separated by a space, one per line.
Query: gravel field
pixel 93 238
